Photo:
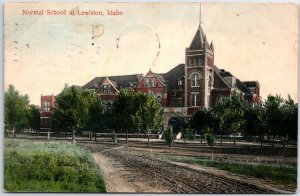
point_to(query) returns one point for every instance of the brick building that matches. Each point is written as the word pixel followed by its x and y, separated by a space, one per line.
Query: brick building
pixel 188 87
pixel 197 84
pixel 47 105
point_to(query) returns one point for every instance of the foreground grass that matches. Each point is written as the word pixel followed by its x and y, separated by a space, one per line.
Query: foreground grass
pixel 49 167
pixel 279 174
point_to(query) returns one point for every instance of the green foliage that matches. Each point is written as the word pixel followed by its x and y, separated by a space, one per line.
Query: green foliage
pixel 34 117
pixel 76 109
pixel 15 109
pixel 209 136
pixel 231 113
pixel 189 134
pixel 49 167
pixel 277 173
pixel 273 113
pixel 136 111
pixel 168 136
pixel 202 119
pixel 289 119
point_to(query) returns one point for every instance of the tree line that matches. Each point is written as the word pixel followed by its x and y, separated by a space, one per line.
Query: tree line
pixel 274 118
pixel 79 109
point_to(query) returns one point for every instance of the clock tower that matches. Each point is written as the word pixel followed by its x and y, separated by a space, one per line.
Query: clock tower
pixel 199 60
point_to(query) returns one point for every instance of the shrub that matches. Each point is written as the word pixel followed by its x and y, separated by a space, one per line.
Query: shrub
pixel 189 134
pixel 169 138
pixel 209 136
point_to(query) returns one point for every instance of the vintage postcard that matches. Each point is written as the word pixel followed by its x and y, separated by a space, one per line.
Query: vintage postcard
pixel 150 97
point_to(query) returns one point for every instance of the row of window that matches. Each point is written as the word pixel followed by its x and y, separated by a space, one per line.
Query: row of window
pixel 149 82
pixel 196 62
pixel 106 89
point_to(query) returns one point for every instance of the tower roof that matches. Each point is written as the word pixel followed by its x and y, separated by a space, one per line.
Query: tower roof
pixel 199 40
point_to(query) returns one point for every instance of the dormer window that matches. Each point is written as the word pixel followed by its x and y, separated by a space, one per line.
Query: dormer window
pixel 179 82
pixel 106 89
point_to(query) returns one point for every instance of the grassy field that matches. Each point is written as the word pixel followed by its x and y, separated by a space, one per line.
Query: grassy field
pixel 49 167
pixel 279 174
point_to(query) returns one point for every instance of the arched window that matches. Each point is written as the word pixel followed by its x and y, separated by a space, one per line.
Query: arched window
pixel 195 80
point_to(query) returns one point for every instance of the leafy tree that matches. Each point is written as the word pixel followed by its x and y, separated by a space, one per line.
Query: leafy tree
pixel 202 119
pixel 124 109
pixel 230 111
pixel 273 115
pixel 255 120
pixel 136 111
pixel 289 117
pixel 34 117
pixel 95 119
pixel 15 109
pixel 74 108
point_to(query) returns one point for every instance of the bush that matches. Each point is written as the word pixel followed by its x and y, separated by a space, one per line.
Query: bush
pixel 189 134
pixel 209 136
pixel 49 167
pixel 169 138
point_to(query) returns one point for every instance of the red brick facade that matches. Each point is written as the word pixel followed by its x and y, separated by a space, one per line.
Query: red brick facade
pixel 47 105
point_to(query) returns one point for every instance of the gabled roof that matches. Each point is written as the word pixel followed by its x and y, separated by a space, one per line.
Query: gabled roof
pixel 219 81
pixel 117 81
pixel 173 75
pixel 199 40
pixel 239 85
pixel 159 76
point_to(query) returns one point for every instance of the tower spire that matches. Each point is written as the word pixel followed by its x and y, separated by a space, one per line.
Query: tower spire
pixel 200 16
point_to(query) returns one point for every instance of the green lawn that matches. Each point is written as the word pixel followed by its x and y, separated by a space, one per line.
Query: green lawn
pixel 279 174
pixel 49 167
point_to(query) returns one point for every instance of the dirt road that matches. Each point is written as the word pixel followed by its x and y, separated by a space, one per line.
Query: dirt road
pixel 127 169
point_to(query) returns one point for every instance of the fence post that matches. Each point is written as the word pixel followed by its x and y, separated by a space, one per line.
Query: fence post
pixel 90 134
pixel 73 135
pixel 48 134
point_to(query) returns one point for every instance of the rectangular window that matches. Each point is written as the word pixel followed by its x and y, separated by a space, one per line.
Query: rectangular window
pixel 106 89
pixel 195 99
pixel 146 82
pixel 47 106
pixel 152 82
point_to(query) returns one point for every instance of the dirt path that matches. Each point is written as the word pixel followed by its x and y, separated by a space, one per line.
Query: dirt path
pixel 119 179
pixel 129 170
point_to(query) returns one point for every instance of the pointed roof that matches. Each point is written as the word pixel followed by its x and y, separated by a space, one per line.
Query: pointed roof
pixel 199 39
